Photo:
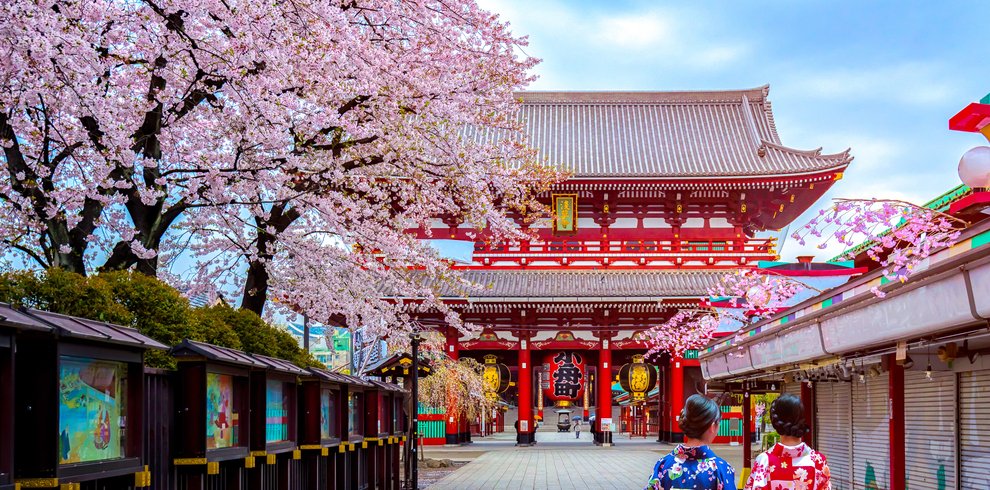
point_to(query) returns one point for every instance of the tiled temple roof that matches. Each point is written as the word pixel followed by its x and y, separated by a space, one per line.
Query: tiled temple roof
pixel 665 135
pixel 591 283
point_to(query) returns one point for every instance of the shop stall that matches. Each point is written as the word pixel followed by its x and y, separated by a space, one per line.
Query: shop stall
pixel 213 402
pixel 77 400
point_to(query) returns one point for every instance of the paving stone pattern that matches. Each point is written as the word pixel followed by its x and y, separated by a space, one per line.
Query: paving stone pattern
pixel 554 468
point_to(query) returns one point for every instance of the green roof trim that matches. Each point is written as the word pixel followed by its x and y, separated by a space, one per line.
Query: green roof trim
pixel 940 204
pixel 849 264
pixel 766 264
pixel 981 239
pixel 985 99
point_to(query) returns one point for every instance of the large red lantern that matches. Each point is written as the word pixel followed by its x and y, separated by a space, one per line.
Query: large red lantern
pixel 566 378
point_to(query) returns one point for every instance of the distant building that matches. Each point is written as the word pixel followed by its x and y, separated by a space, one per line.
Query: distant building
pixel 329 345
pixel 202 300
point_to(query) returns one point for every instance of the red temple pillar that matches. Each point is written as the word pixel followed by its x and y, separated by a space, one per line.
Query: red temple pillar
pixel 603 410
pixel 895 393
pixel 452 426
pixel 526 426
pixel 808 400
pixel 676 398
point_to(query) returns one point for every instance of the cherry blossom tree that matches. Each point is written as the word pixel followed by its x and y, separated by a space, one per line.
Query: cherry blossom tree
pixel 896 234
pixel 285 145
pixel 687 329
pixel 757 291
pixel 748 294
pixel 457 386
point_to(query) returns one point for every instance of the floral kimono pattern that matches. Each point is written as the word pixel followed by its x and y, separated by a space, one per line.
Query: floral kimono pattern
pixel 790 468
pixel 692 468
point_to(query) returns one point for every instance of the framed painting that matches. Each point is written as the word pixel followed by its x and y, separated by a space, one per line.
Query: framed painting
pixel 92 409
pixel 221 415
pixel 276 412
pixel 326 414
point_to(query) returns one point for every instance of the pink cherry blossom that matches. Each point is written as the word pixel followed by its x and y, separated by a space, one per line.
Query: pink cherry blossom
pixel 287 147
pixel 897 235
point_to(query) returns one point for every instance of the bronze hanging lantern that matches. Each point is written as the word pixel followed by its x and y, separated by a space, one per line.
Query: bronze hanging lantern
pixel 637 378
pixel 496 376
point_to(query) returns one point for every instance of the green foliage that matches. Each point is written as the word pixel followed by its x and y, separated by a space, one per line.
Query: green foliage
pixel 769 439
pixel 64 292
pixel 153 308
pixel 209 326
pixel 258 337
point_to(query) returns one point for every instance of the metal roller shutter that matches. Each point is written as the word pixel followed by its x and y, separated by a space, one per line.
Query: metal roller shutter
pixel 792 388
pixel 974 430
pixel 930 439
pixel 871 433
pixel 834 430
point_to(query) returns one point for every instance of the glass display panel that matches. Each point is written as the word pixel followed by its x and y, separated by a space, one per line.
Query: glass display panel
pixel 276 412
pixel 354 408
pixel 326 415
pixel 221 414
pixel 92 409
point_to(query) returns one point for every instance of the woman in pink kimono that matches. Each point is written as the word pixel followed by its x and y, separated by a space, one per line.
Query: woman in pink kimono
pixel 789 464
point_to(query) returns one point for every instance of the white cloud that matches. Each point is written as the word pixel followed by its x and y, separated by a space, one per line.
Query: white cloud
pixel 912 83
pixel 634 31
pixel 570 38
pixel 719 55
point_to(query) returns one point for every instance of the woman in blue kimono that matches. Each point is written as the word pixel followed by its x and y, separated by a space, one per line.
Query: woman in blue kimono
pixel 693 465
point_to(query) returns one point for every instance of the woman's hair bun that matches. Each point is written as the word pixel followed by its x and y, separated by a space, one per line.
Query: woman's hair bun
pixel 787 416
pixel 698 414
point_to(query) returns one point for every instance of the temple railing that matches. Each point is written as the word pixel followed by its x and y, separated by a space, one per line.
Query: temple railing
pixel 564 246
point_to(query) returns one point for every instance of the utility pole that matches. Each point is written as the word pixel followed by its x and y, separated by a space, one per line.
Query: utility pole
pixel 414 410
pixel 306 332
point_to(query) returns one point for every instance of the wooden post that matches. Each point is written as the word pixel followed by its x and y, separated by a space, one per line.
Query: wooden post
pixel 895 395
pixel 452 425
pixel 808 400
pixel 413 480
pixel 747 434
pixel 306 332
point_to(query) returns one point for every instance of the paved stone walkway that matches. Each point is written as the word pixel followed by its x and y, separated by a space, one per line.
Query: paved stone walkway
pixel 554 468
pixel 557 461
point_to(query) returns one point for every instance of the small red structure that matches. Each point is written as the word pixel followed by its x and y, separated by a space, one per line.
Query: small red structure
pixel 974 118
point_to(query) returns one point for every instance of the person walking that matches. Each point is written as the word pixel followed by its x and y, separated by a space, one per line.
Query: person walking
pixel 790 463
pixel 692 465
pixel 577 428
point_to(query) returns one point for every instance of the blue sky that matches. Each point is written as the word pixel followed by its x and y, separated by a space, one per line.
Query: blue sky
pixel 880 77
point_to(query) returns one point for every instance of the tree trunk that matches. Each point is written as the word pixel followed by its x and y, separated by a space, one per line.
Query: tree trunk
pixel 256 285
